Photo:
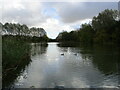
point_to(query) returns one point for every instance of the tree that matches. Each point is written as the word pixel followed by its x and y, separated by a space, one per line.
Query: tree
pixel 25 30
pixel 106 26
pixel 18 26
pixel 105 20
pixel 86 33
pixel 1 28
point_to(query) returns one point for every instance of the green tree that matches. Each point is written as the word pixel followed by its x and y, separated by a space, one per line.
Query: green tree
pixel 86 33
pixel 105 20
pixel 106 26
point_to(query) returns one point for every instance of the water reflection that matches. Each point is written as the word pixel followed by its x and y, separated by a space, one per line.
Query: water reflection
pixel 11 75
pixel 38 48
pixel 15 60
pixel 102 58
pixel 105 58
pixel 81 66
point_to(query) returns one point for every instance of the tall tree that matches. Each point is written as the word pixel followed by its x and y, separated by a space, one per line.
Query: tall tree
pixel 105 20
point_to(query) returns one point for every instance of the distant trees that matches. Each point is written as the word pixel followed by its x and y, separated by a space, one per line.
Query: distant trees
pixel 33 34
pixel 84 34
pixel 1 28
pixel 17 29
pixel 104 28
pixel 68 36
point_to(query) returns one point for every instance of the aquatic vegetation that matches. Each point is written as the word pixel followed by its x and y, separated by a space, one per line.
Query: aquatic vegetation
pixel 15 56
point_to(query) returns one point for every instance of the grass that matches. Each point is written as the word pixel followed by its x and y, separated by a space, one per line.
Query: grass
pixel 15 56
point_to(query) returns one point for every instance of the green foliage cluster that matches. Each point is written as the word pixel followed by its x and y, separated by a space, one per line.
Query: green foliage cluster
pixel 15 56
pixel 12 52
pixel 104 28
pixel 68 36
pixel 22 31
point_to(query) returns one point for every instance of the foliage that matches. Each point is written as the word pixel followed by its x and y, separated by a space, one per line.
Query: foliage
pixel 15 56
pixel 67 36
pixel 22 31
pixel 12 51
pixel 104 28
pixel 105 20
pixel 86 33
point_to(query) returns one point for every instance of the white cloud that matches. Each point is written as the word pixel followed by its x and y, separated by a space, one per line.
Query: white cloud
pixel 54 26
pixel 69 0
pixel 65 16
pixel 23 12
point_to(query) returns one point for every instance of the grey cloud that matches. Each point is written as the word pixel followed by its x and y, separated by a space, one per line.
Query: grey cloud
pixel 70 12
pixel 24 15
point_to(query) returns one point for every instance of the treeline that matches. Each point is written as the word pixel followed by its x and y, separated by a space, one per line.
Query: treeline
pixel 23 32
pixel 104 28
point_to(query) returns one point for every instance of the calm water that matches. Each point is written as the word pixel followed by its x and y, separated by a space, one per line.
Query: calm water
pixel 80 67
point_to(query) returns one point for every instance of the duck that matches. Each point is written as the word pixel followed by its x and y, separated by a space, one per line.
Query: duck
pixel 75 54
pixel 25 76
pixel 62 54
pixel 59 87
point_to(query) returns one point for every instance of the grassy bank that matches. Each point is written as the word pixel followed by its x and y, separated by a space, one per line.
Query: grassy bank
pixel 15 56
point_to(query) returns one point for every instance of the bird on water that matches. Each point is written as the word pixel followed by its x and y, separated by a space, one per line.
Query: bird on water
pixel 62 54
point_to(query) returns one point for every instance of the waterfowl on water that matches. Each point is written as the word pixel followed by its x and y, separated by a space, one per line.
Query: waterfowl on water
pixel 59 87
pixel 62 54
pixel 25 76
pixel 75 54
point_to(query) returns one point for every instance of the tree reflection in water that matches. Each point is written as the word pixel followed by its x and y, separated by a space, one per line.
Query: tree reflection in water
pixel 104 57
pixel 16 58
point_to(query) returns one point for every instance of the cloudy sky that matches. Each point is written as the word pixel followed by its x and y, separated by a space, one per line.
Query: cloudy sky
pixel 53 16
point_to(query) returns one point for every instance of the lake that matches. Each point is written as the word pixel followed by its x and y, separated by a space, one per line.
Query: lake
pixel 71 65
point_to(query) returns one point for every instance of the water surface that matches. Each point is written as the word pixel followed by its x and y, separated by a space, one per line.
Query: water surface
pixel 71 66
